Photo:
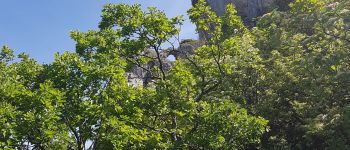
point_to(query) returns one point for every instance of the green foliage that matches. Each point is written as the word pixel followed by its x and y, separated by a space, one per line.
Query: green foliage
pixel 307 61
pixel 84 97
pixel 283 84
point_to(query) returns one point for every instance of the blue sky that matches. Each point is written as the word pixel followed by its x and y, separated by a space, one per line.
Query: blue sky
pixel 41 27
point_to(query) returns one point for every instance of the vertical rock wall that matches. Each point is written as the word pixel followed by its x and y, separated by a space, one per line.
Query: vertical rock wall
pixel 247 9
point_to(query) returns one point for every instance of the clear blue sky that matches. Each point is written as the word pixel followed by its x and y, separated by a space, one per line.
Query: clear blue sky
pixel 41 27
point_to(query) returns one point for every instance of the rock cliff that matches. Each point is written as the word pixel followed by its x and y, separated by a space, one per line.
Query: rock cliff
pixel 142 76
pixel 247 9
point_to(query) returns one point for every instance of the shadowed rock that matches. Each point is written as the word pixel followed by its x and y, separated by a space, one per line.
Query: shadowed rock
pixel 247 9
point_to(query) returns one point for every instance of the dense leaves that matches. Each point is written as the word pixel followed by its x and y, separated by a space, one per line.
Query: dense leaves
pixel 283 84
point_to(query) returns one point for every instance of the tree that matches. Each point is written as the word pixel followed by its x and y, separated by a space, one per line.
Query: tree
pixel 83 98
pixel 283 84
pixel 306 53
pixel 30 110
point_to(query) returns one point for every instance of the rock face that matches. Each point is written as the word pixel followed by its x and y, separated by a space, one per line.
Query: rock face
pixel 247 9
pixel 186 48
pixel 142 75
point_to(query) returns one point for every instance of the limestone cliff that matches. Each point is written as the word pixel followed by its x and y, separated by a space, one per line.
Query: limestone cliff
pixel 142 75
pixel 247 9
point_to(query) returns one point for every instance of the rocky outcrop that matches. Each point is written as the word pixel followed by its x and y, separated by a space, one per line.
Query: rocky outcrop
pixel 143 75
pixel 186 48
pixel 247 9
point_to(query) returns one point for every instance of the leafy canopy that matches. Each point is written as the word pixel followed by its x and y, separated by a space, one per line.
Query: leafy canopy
pixel 283 84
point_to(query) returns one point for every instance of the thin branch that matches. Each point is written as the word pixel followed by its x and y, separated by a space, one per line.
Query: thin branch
pixel 156 48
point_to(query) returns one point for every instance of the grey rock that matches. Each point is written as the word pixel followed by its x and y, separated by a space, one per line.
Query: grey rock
pixel 247 9
pixel 143 75
pixel 186 48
